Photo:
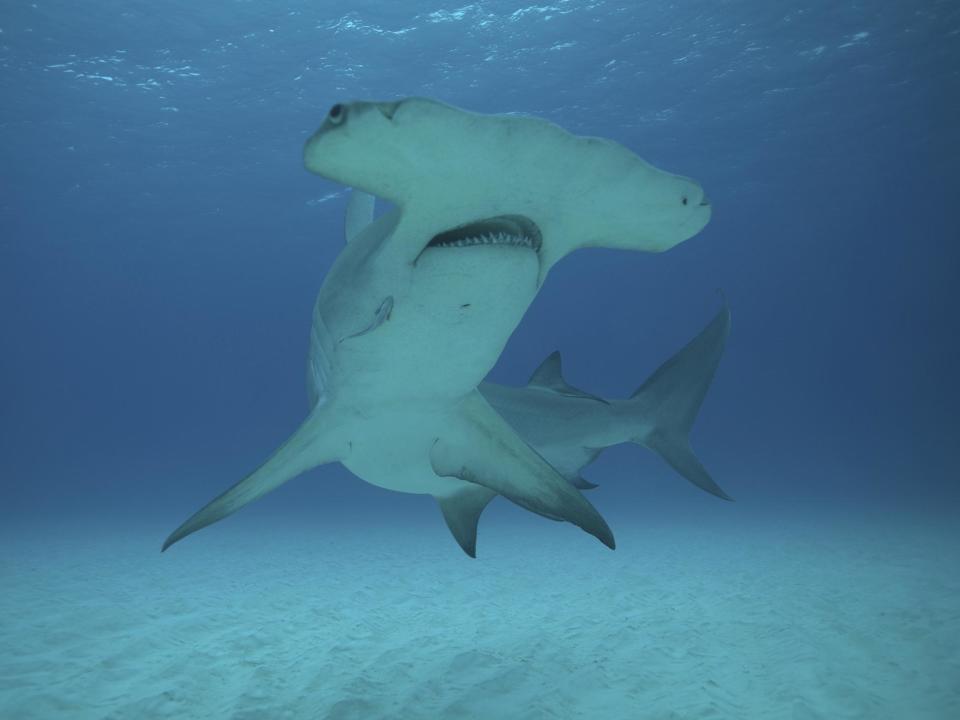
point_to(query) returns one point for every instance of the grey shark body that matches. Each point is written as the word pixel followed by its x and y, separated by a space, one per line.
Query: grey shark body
pixel 417 308
pixel 570 428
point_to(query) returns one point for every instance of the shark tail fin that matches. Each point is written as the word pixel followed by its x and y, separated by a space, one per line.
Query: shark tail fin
pixel 670 399
pixel 302 451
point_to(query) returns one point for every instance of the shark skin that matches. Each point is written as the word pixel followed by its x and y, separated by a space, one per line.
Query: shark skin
pixel 417 308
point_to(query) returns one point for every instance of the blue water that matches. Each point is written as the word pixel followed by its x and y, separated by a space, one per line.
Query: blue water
pixel 161 246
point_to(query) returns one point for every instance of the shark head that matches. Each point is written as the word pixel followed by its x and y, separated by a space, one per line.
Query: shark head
pixel 456 174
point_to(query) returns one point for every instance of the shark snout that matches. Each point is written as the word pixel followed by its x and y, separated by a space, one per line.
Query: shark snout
pixel 693 195
pixel 689 192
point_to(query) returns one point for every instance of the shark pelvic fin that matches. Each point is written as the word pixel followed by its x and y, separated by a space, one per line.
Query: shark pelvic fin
pixel 298 454
pixel 549 376
pixel 581 483
pixel 482 448
pixel 570 462
pixel 462 513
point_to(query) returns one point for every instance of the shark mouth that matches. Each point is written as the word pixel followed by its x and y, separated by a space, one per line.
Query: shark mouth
pixel 503 230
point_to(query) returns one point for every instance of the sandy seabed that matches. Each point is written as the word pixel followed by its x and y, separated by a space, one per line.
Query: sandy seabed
pixel 800 621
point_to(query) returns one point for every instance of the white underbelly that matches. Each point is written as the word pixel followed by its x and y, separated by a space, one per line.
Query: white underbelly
pixel 392 451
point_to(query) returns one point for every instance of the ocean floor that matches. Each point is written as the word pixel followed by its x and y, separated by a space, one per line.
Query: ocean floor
pixel 803 620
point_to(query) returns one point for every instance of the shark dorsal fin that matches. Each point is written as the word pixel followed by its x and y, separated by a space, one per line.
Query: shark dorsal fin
pixel 359 213
pixel 549 376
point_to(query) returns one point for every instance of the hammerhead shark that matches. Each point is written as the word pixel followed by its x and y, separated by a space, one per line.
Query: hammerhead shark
pixel 419 305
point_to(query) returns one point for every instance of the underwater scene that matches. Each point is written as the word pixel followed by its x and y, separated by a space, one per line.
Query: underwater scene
pixel 412 360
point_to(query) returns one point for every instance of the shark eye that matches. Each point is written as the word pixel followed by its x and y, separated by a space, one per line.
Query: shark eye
pixel 338 113
pixel 684 200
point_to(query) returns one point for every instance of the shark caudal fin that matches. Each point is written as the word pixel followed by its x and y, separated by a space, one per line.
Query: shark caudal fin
pixel 305 449
pixel 479 447
pixel 669 400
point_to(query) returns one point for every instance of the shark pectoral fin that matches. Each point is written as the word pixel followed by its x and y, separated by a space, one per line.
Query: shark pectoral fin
pixel 302 451
pixel 482 448
pixel 359 213
pixel 462 513
pixel 549 376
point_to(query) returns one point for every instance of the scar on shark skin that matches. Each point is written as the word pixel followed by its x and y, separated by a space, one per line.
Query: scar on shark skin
pixel 379 317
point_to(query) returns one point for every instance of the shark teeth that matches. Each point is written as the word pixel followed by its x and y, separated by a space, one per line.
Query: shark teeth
pixel 501 231
pixel 499 238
